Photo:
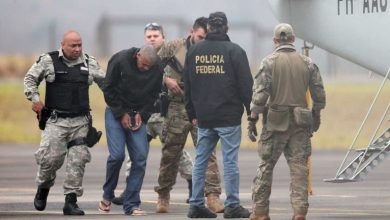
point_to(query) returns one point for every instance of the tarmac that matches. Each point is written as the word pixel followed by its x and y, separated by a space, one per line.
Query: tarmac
pixel 368 200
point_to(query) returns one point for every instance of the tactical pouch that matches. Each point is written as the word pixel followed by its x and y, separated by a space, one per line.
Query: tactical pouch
pixel 303 117
pixel 93 136
pixel 278 119
pixel 45 115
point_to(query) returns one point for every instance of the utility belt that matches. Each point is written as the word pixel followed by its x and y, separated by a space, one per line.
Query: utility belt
pixel 69 115
pixel 93 135
pixel 47 113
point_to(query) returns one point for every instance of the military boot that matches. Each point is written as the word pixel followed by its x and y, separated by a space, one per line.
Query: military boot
pixel 200 212
pixel 71 207
pixel 259 217
pixel 163 202
pixel 189 190
pixel 214 204
pixel 41 198
pixel 299 217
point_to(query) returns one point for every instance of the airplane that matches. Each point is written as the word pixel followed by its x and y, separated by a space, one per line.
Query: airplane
pixel 356 30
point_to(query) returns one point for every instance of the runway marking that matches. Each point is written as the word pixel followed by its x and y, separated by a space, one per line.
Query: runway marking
pixel 336 196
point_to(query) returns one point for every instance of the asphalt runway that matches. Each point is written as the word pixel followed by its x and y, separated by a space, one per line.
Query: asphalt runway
pixel 368 200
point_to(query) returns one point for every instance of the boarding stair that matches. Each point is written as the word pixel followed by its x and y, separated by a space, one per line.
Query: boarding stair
pixel 358 163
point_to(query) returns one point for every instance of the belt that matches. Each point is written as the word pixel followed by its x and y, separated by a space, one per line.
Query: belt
pixel 71 115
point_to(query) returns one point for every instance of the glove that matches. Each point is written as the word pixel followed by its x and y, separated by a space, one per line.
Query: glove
pixel 316 120
pixel 252 131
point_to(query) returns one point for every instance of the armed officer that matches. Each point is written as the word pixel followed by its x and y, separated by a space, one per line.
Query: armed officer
pixel 176 125
pixel 279 93
pixel 68 73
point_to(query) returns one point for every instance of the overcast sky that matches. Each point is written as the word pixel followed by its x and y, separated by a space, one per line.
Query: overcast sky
pixel 32 27
pixel 25 25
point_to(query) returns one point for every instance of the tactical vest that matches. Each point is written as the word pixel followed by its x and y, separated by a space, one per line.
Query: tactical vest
pixel 290 80
pixel 69 91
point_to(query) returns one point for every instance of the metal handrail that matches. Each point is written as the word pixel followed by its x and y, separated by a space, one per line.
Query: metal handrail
pixel 364 121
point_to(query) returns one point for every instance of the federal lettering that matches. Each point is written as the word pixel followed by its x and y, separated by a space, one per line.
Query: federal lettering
pixel 209 69
pixel 209 59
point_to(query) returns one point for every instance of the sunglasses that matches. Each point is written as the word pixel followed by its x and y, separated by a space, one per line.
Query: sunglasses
pixel 152 26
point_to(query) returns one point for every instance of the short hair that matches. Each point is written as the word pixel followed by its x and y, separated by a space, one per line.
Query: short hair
pixel 217 23
pixel 153 26
pixel 200 22
pixel 147 51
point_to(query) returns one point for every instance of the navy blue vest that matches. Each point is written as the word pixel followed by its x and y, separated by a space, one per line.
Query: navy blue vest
pixel 69 91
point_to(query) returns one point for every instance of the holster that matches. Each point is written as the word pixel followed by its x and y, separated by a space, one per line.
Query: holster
pixel 93 136
pixel 164 103
pixel 45 115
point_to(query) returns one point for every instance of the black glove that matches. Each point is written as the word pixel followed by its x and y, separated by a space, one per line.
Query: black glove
pixel 252 131
pixel 316 120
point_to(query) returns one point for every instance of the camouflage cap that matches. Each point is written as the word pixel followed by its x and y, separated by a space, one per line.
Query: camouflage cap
pixel 217 19
pixel 283 31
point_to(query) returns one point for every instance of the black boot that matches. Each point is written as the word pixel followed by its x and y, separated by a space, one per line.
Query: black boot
pixel 41 198
pixel 118 200
pixel 189 190
pixel 200 212
pixel 70 207
pixel 236 212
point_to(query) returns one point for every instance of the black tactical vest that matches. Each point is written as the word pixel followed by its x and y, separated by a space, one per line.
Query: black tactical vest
pixel 69 91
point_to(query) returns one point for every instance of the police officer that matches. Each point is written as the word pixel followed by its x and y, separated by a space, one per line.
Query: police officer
pixel 68 73
pixel 176 124
pixel 279 93
pixel 217 83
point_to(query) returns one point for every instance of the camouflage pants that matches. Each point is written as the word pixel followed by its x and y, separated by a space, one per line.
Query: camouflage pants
pixel 296 147
pixel 52 151
pixel 176 127
pixel 154 129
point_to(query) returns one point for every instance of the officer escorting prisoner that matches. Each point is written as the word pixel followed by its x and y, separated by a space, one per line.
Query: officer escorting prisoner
pixel 279 93
pixel 176 124
pixel 68 73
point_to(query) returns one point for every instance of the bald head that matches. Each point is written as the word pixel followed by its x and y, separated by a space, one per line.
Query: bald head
pixel 71 45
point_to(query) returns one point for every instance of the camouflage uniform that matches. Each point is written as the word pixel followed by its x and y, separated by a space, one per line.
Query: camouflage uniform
pixel 154 129
pixel 59 131
pixel 176 127
pixel 281 84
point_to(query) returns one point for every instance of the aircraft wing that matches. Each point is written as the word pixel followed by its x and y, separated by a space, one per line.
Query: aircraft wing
pixel 357 30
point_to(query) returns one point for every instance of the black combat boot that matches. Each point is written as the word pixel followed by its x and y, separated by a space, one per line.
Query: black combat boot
pixel 41 198
pixel 236 212
pixel 70 207
pixel 189 190
pixel 200 212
